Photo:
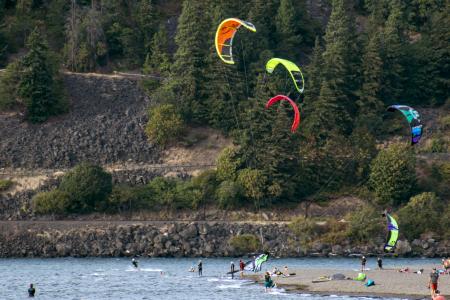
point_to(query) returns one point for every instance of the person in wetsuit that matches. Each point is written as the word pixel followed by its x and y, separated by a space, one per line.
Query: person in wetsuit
pixel 232 270
pixel 134 261
pixel 363 263
pixel 200 268
pixel 380 263
pixel 31 291
pixel 268 283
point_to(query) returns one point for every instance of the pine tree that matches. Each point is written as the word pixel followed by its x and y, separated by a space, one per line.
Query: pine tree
pixel 314 73
pixel 225 86
pixel 147 22
pixel 340 60
pixel 269 129
pixel 369 103
pixel 262 15
pixel 435 59
pixel 158 59
pixel 193 44
pixel 327 116
pixel 393 57
pixel 288 31
pixel 38 87
pixel 294 28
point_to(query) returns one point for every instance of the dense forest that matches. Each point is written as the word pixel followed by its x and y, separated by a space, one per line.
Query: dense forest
pixel 370 54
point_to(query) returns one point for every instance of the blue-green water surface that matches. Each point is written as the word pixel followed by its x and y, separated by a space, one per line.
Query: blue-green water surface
pixel 156 278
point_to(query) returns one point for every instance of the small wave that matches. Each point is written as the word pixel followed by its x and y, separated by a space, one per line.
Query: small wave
pixel 213 279
pixel 151 270
pixel 229 286
pixel 278 292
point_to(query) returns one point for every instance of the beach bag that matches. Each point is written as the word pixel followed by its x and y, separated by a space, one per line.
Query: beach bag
pixel 370 282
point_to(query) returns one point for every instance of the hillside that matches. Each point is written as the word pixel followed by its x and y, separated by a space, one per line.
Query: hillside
pixel 149 110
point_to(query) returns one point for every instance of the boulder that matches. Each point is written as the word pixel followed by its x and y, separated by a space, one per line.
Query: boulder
pixel 403 247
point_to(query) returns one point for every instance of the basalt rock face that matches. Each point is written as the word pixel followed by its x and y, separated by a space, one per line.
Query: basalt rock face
pixel 182 239
pixel 105 124
pixel 165 240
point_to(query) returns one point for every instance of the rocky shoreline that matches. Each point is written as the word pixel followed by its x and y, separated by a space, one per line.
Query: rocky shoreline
pixel 176 239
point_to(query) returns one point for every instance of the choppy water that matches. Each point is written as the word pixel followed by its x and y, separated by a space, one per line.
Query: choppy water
pixel 157 278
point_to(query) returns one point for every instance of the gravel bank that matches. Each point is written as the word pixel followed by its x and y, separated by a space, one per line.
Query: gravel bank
pixel 388 283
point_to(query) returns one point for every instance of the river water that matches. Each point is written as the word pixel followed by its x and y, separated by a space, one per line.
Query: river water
pixel 156 278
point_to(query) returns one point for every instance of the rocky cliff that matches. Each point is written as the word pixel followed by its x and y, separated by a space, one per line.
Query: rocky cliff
pixel 177 239
pixel 104 125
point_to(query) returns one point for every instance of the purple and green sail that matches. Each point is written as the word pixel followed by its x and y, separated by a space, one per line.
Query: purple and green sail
pixel 392 237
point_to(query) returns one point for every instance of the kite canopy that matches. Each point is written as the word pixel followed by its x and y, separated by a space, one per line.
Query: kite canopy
pixel 413 118
pixel 256 264
pixel 293 69
pixel 296 111
pixel 262 258
pixel 392 237
pixel 224 37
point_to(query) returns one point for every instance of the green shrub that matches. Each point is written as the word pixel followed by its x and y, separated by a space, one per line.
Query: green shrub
pixel 438 145
pixel 5 184
pixel 254 183
pixel 336 232
pixel 444 122
pixel 444 170
pixel 421 214
pixel 305 229
pixel 53 202
pixel 126 198
pixel 229 194
pixel 207 183
pixel 88 186
pixel 163 191
pixel 9 82
pixel 445 226
pixel 309 230
pixel 187 195
pixel 164 125
pixel 227 164
pixel 365 224
pixel 393 175
pixel 245 243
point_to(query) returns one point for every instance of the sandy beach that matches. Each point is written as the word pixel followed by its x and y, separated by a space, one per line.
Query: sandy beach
pixel 388 283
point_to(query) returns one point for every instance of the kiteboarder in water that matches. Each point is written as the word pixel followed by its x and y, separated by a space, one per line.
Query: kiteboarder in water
pixel 268 283
pixel 135 262
pixel 31 291
pixel 200 268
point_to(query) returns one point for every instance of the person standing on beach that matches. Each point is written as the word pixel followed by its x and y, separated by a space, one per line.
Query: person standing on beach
pixel 254 263
pixel 200 268
pixel 380 263
pixel 232 270
pixel 433 284
pixel 363 263
pixel 241 267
